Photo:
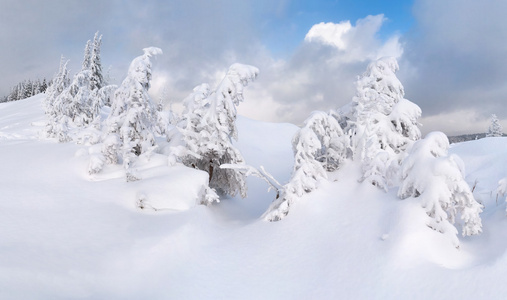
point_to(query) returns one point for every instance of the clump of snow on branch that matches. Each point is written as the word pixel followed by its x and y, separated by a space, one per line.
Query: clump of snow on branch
pixel 437 181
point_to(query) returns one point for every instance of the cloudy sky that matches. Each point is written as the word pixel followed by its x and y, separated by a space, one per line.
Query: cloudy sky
pixel 452 53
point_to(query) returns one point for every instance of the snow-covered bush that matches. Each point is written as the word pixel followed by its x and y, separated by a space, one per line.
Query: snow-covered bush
pixel 208 125
pixel 495 129
pixel 382 123
pixel 437 181
pixel 132 118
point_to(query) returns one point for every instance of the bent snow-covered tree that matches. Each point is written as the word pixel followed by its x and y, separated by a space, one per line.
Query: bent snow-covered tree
pixel 318 147
pixel 495 129
pixel 437 180
pixel 132 119
pixel 209 124
pixel 383 123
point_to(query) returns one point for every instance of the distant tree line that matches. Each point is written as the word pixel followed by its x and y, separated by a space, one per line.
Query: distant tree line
pixel 494 130
pixel 26 89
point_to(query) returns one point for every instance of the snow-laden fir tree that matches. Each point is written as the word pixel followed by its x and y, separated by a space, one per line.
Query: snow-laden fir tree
pixel 87 59
pixel 75 101
pixel 318 147
pixel 56 126
pixel 96 80
pixel 100 98
pixel 166 119
pixel 334 144
pixel 382 122
pixel 132 119
pixel 209 124
pixel 495 129
pixel 436 179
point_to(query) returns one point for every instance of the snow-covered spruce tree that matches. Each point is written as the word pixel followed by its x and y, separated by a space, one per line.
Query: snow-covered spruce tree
pixel 96 80
pixel 383 124
pixel 334 144
pixel 437 180
pixel 495 129
pixel 133 115
pixel 75 101
pixel 318 147
pixel 100 92
pixel 166 119
pixel 100 98
pixel 51 108
pixel 87 57
pixel 209 124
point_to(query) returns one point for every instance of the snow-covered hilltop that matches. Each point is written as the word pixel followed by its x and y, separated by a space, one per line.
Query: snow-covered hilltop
pixel 107 195
pixel 67 234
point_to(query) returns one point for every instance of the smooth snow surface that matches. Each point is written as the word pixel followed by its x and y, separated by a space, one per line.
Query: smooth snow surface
pixel 67 235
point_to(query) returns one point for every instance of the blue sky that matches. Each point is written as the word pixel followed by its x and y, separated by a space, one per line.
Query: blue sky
pixel 451 52
pixel 284 30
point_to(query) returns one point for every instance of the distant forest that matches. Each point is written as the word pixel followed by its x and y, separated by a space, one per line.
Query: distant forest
pixel 26 89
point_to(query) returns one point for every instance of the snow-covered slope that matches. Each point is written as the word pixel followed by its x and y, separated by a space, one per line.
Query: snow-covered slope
pixel 65 234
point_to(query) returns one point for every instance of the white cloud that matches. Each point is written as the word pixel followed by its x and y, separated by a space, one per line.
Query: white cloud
pixel 320 75
pixel 456 57
pixel 356 43
pixel 329 33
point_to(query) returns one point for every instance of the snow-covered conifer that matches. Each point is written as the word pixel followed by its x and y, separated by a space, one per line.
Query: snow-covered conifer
pixel 307 172
pixel 165 119
pixel 209 123
pixel 495 129
pixel 75 100
pixel 43 86
pixel 318 147
pixel 87 59
pixel 133 114
pixel 53 113
pixel 100 98
pixel 380 111
pixel 437 180
pixel 97 80
pixel 334 144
